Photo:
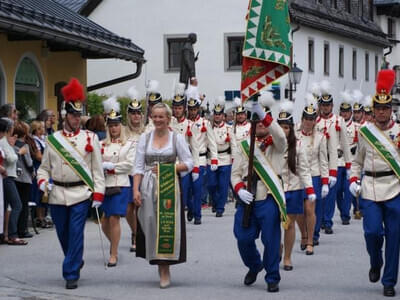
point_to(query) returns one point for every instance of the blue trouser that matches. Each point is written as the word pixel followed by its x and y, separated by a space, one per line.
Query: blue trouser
pixel 316 181
pixel 186 189
pixel 330 200
pixel 194 205
pixel 382 221
pixel 218 185
pixel 204 190
pixel 11 197
pixel 70 225
pixel 342 194
pixel 265 217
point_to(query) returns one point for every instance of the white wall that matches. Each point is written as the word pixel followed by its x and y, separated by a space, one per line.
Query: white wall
pixel 146 23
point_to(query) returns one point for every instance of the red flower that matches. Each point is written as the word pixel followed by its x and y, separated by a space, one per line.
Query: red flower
pixel 89 147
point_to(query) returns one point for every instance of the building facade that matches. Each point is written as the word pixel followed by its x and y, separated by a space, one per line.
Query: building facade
pixel 336 40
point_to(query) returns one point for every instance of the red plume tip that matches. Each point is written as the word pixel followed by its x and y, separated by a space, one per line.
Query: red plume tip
pixel 385 81
pixel 73 91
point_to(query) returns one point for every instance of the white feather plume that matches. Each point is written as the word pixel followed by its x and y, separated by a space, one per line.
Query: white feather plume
pixel 237 102
pixel 315 88
pixel 310 100
pixel 133 93
pixel 220 100
pixel 111 104
pixel 346 97
pixel 180 88
pixel 367 100
pixel 153 86
pixel 325 87
pixel 357 96
pixel 192 92
pixel 266 99
pixel 286 106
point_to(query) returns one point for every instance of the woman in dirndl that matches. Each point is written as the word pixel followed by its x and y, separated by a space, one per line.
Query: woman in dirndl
pixel 118 158
pixel 155 150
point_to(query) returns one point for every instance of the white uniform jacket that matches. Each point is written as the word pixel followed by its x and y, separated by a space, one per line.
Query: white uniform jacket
pixel 367 159
pixel 302 178
pixel 122 156
pixel 53 166
pixel 226 144
pixel 315 146
pixel 274 152
pixel 352 138
pixel 203 133
pixel 242 131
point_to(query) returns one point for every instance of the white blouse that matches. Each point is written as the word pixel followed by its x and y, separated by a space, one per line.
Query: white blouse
pixel 182 151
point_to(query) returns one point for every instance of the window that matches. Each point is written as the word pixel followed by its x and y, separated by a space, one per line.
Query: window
pixel 354 65
pixel 334 4
pixel 28 90
pixel 361 7
pixel 326 58
pixel 341 61
pixel 376 65
pixel 391 30
pixel 230 95
pixel 172 57
pixel 233 52
pixel 366 66
pixel 347 5
pixel 310 55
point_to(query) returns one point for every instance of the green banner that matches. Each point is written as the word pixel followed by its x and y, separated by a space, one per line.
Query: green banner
pixel 71 161
pixel 270 180
pixel 166 212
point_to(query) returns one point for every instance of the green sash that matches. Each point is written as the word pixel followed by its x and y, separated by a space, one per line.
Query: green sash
pixel 72 157
pixel 383 145
pixel 267 175
pixel 166 211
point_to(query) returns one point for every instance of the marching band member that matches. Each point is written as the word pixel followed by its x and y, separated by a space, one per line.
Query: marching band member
pixel 153 97
pixel 156 157
pixel 118 158
pixel 378 159
pixel 241 127
pixel 71 171
pixel 181 125
pixel 343 195
pixel 334 129
pixel 203 133
pixel 135 127
pixel 297 183
pixel 268 205
pixel 358 107
pixel 218 181
pixel 315 145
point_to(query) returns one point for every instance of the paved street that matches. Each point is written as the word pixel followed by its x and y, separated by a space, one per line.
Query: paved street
pixel 338 270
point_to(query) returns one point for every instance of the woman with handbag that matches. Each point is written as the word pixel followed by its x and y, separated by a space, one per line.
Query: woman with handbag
pixel 161 234
pixel 118 157
pixel 135 127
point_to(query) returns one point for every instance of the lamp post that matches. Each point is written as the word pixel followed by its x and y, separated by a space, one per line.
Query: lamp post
pixel 294 79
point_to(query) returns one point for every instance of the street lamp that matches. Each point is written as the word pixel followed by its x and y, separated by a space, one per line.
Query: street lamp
pixel 294 79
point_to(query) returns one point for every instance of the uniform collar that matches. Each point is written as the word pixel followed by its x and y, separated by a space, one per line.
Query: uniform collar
pixel 242 124
pixel 197 118
pixel 181 120
pixel 349 122
pixel 67 133
pixel 306 134
pixel 326 118
pixel 220 125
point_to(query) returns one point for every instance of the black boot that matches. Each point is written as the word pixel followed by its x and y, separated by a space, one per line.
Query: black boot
pixel 273 287
pixel 389 291
pixel 71 284
pixel 251 277
pixel 374 274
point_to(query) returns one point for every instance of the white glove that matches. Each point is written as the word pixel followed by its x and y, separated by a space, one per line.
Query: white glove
pixel 324 190
pixel 96 204
pixel 42 186
pixel 332 181
pixel 195 176
pixel 107 165
pixel 214 167
pixel 355 189
pixel 245 196
pixel 312 197
pixel 258 110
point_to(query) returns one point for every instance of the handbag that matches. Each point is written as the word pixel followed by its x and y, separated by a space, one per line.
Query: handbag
pixel 112 190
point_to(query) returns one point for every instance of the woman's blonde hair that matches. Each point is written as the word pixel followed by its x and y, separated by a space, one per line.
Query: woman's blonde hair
pixel 165 107
pixel 122 135
pixel 35 125
pixel 130 129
